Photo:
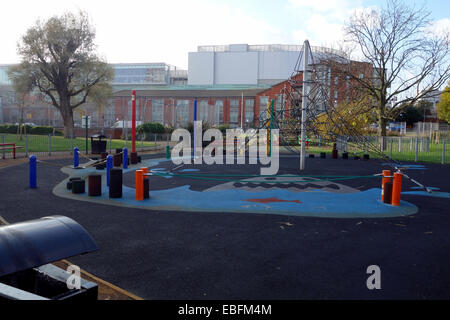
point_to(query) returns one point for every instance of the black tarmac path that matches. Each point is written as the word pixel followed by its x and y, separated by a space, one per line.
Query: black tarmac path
pixel 204 255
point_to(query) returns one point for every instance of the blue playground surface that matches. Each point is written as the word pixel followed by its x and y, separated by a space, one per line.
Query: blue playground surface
pixel 270 200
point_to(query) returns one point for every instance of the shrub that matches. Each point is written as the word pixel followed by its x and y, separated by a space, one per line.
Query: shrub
pixel 169 129
pixel 150 127
pixel 41 130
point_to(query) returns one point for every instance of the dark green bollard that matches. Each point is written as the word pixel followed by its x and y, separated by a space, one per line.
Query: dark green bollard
pixel 167 152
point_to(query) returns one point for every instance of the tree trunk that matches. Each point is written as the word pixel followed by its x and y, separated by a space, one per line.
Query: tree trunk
pixel 68 124
pixel 382 126
pixel 382 131
pixel 67 115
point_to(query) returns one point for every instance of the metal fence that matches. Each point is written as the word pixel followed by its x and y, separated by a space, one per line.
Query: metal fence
pixel 417 149
pixel 49 145
pixel 402 148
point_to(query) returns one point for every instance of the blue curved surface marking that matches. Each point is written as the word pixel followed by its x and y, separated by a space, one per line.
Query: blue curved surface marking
pixel 365 204
pixel 408 166
pixel 189 170
pixel 436 194
pixel 318 203
pixel 420 188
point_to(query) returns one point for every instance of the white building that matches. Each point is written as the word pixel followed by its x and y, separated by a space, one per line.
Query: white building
pixel 245 64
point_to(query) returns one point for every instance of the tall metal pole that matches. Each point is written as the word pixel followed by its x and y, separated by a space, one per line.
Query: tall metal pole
pixel 242 109
pixel 86 132
pixel 194 128
pixel 306 49
pixel 133 121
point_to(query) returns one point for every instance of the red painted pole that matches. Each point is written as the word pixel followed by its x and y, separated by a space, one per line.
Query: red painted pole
pixel 386 173
pixel 139 185
pixel 133 121
pixel 396 189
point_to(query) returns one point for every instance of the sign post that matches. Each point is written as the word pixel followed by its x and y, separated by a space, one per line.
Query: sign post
pixel 86 122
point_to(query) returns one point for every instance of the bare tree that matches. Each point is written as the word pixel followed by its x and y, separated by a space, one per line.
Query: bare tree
pixel 407 58
pixel 58 59
pixel 99 98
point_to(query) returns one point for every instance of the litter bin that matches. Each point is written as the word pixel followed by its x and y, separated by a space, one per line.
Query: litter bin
pixel 27 250
pixel 98 145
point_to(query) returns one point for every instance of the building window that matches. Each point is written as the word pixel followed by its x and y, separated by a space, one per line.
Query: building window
pixel 202 112
pixel 336 80
pixel 158 110
pixel 218 107
pixel 249 113
pixel 182 113
pixel 335 94
pixel 130 109
pixel 361 76
pixel 263 101
pixel 234 111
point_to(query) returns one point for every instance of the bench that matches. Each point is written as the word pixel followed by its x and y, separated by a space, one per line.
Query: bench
pixel 9 146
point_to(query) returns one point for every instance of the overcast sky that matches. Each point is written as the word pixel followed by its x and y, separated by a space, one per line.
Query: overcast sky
pixel 166 30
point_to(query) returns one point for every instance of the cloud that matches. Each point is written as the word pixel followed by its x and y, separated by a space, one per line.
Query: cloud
pixel 324 5
pixel 322 31
pixel 323 20
pixel 145 31
pixel 440 27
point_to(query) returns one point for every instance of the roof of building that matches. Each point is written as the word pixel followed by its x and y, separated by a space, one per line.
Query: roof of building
pixel 192 91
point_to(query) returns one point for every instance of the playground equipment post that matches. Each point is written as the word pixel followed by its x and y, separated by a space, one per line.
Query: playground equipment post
pixel 133 121
pixel 194 131
pixel 306 49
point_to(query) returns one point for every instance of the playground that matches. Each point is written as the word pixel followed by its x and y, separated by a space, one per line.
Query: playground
pixel 224 232
pixel 167 230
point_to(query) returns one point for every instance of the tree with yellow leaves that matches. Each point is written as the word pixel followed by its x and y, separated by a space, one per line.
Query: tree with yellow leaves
pixel 443 108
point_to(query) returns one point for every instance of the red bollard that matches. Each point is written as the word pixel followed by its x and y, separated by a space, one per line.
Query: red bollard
pixel 386 179
pixel 146 183
pixel 396 189
pixel 139 185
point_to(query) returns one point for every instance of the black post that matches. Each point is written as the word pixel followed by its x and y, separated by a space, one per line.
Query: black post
pixel 115 183
pixel 86 124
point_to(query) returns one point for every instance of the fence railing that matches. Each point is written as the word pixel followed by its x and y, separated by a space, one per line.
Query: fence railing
pixel 418 149
pixel 49 145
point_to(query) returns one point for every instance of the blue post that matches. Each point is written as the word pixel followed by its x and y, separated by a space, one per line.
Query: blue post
pixel 75 157
pixel 125 158
pixel 109 165
pixel 320 141
pixel 33 183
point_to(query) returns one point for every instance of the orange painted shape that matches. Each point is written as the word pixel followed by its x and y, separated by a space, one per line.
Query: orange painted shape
pixel 139 185
pixel 396 189
pixel 386 173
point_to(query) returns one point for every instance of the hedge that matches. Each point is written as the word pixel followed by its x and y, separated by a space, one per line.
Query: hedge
pixel 40 130
pixel 150 127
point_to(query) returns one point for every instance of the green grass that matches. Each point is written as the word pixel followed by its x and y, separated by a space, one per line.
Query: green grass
pixel 39 143
pixel 433 155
